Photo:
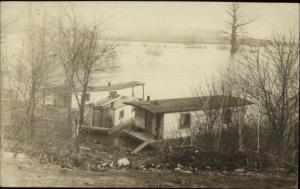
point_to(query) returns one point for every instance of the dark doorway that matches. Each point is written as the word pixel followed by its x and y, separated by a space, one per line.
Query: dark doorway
pixel 158 125
pixel 148 121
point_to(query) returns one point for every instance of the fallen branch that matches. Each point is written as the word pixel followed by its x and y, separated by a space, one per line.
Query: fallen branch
pixel 91 156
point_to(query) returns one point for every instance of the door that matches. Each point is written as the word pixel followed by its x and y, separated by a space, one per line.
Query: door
pixel 158 125
pixel 97 118
pixel 106 120
pixel 148 122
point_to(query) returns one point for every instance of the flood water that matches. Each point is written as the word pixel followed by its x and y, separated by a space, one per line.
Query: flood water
pixel 169 70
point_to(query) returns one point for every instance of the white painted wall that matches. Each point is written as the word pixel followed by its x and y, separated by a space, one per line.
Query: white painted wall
pixel 128 114
pixel 96 96
pixel 171 125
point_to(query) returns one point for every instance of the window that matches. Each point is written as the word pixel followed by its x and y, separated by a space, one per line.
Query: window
pixel 121 114
pixel 87 97
pixel 185 121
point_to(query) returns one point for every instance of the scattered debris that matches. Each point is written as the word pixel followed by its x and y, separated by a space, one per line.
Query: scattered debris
pixel 83 148
pixel 239 170
pixel 123 162
pixel 21 156
pixel 8 155
pixel 111 165
pixel 105 165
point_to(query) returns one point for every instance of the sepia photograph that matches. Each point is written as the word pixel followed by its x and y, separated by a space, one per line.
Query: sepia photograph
pixel 166 94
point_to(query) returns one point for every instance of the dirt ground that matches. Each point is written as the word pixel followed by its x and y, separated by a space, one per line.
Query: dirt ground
pixel 23 171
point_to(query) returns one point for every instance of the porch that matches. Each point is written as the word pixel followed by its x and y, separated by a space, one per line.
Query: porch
pixel 108 131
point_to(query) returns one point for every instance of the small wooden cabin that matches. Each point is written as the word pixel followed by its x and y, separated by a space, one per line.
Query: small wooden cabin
pixel 110 111
pixel 174 118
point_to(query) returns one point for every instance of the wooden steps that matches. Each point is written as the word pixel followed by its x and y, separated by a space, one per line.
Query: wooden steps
pixel 144 137
pixel 140 147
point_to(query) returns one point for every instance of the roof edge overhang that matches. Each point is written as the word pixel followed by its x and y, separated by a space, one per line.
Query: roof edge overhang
pixel 192 109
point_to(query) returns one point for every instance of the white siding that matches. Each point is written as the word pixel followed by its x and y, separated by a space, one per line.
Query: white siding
pixel 171 124
pixel 96 96
pixel 128 114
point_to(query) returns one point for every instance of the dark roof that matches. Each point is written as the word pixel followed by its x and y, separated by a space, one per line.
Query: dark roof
pixel 190 104
pixel 117 86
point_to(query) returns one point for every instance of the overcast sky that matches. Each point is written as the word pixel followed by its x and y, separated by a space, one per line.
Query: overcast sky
pixel 145 16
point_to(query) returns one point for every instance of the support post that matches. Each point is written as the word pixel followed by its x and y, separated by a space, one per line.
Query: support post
pixel 143 91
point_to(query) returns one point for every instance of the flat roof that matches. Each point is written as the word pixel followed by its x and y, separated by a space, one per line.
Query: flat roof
pixel 190 104
pixel 111 87
pixel 117 86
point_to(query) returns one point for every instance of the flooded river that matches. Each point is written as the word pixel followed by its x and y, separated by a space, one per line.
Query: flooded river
pixel 169 70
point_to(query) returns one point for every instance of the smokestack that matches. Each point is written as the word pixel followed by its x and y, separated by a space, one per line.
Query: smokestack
pixel 108 83
pixel 112 104
pixel 148 98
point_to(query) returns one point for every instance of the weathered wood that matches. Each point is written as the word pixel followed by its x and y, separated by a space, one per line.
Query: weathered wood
pixel 140 147
pixel 100 130
pixel 120 126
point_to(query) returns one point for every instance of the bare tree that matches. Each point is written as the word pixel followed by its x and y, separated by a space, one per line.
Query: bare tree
pixel 94 60
pixel 235 25
pixel 210 124
pixel 269 74
pixel 69 47
pixel 32 69
pixel 83 52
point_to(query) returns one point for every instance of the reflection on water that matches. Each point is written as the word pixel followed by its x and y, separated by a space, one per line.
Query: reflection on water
pixel 168 69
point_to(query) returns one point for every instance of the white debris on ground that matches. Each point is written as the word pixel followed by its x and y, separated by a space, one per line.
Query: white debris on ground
pixel 239 170
pixel 7 155
pixel 123 162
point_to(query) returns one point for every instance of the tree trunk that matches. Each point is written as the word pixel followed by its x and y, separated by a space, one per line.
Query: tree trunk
pixel 81 116
pixel 70 124
pixel 32 111
pixel 233 41
pixel 240 133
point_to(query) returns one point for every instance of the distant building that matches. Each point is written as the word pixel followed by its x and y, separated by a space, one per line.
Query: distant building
pixel 174 118
pixel 110 111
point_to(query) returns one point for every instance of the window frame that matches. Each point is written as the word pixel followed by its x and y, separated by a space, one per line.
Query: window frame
pixel 121 114
pixel 184 122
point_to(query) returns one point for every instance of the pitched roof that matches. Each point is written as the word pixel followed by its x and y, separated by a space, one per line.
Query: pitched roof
pixel 118 102
pixel 190 104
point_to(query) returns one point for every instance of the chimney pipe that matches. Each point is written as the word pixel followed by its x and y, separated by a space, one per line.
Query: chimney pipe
pixel 148 98
pixel 112 104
